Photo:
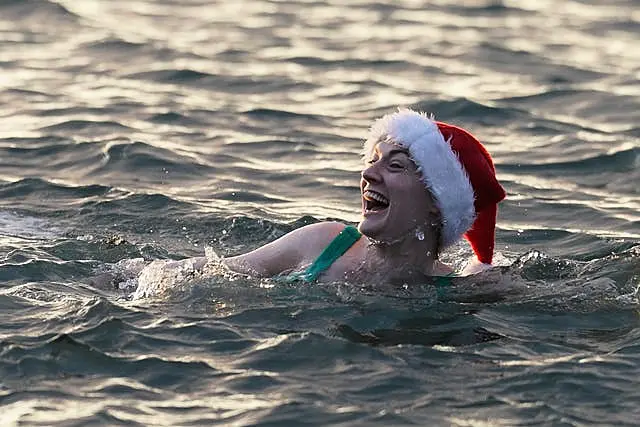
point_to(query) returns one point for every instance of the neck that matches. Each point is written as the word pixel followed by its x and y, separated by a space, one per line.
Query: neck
pixel 411 256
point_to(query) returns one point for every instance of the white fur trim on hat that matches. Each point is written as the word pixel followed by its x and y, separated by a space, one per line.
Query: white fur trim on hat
pixel 439 165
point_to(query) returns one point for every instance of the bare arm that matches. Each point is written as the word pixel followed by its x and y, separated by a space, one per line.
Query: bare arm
pixel 287 253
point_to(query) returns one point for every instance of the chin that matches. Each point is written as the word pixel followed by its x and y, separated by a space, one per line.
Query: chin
pixel 373 230
pixel 377 231
pixel 367 228
pixel 375 225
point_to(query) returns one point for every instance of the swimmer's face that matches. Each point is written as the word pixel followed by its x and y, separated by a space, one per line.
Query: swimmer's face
pixel 395 201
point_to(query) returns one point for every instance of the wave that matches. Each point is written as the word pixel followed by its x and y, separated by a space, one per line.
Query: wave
pixel 116 49
pixel 587 104
pixel 175 118
pixel 498 57
pixel 463 109
pixel 75 358
pixel 271 114
pixel 30 190
pixel 36 11
pixel 106 126
pixel 619 162
pixel 140 156
pixel 222 82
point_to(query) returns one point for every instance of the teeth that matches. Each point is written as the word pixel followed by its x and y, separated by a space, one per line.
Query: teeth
pixel 376 196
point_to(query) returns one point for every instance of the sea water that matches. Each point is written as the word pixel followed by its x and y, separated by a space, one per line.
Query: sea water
pixel 139 133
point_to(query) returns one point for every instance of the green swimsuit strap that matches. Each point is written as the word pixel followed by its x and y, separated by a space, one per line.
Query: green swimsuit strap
pixel 338 246
pixel 444 281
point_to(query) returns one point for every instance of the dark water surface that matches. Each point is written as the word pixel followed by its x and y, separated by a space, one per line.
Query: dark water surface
pixel 152 129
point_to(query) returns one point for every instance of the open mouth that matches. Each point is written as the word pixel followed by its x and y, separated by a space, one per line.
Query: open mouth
pixel 374 201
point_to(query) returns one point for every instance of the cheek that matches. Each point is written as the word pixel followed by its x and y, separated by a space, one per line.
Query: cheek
pixel 417 197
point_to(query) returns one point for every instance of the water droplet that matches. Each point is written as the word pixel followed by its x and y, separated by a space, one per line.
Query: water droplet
pixel 420 234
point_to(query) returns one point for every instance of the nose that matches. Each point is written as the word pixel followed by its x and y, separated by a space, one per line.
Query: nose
pixel 371 173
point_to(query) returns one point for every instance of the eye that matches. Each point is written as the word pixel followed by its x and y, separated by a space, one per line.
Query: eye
pixel 396 165
pixel 372 161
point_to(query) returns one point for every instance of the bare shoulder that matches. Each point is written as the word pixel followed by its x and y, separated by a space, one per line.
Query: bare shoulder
pixel 319 234
pixel 287 253
pixel 310 240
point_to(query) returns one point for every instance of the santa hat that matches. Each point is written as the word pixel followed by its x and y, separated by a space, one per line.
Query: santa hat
pixel 457 170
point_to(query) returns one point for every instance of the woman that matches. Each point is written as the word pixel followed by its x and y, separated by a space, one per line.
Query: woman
pixel 424 186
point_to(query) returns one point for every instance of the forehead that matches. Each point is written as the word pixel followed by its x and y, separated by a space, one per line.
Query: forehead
pixel 389 148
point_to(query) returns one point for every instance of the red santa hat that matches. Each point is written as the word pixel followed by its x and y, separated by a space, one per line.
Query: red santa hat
pixel 457 170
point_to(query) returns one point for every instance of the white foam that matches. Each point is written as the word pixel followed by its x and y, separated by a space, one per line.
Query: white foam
pixel 158 278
